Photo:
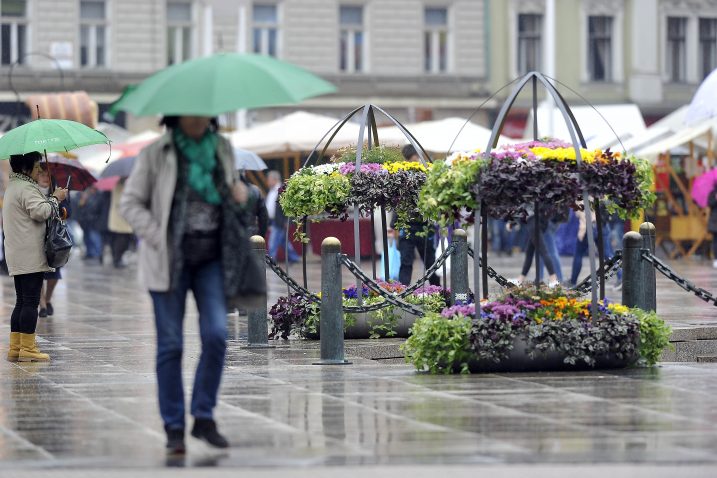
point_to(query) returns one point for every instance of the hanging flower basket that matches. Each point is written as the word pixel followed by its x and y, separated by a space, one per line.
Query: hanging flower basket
pixel 384 179
pixel 513 178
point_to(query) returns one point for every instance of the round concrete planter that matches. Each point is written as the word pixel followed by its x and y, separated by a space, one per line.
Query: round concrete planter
pixel 363 323
pixel 519 361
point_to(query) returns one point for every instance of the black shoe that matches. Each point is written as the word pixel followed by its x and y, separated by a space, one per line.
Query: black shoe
pixel 50 310
pixel 175 441
pixel 43 313
pixel 206 430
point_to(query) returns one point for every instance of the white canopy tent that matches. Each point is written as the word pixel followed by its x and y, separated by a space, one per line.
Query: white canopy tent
pixel 437 136
pixel 676 139
pixel 299 131
pixel 622 120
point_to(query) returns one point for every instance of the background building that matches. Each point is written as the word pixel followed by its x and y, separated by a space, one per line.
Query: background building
pixel 421 59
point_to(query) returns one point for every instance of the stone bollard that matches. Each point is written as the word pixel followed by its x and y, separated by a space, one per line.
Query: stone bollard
pixel 257 320
pixel 647 231
pixel 633 280
pixel 331 326
pixel 459 267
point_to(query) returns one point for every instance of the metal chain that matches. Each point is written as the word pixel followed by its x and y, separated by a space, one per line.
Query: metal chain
pixel 502 281
pixel 284 276
pixel 389 298
pixel 610 268
pixel 687 285
pixel 437 264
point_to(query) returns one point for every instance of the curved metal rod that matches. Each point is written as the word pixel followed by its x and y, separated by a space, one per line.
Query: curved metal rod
pixel 585 100
pixel 476 111
pixel 340 123
pixel 577 140
pixel 422 154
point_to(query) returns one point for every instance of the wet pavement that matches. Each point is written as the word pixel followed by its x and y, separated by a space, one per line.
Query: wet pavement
pixel 94 405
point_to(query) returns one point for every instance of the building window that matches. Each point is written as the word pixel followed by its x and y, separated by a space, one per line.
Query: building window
pixel 435 40
pixel 352 39
pixel 93 33
pixel 13 31
pixel 708 45
pixel 677 49
pixel 266 29
pixel 600 54
pixel 179 32
pixel 530 27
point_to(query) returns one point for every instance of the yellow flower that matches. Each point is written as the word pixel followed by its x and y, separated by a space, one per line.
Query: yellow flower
pixel 404 166
pixel 618 308
pixel 565 154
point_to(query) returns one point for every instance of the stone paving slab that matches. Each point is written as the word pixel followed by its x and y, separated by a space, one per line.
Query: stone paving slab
pixel 94 406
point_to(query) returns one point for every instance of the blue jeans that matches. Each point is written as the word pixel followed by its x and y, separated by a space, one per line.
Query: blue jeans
pixel 93 243
pixel 552 248
pixel 277 238
pixel 207 284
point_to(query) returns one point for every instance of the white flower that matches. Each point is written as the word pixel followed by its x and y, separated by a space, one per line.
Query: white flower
pixel 326 168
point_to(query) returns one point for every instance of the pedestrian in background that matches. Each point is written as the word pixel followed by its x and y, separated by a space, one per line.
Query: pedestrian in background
pixel 257 207
pixel 25 212
pixel 409 239
pixel 119 228
pixel 89 214
pixel 712 223
pixel 277 220
pixel 177 200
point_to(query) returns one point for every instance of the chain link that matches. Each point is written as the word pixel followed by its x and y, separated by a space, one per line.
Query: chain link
pixel 286 278
pixel 390 299
pixel 687 285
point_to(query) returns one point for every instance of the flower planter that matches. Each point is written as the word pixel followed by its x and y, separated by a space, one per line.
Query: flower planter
pixel 362 328
pixel 520 361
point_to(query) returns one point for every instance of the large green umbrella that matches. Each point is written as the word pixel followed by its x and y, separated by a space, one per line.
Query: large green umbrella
pixel 48 135
pixel 220 83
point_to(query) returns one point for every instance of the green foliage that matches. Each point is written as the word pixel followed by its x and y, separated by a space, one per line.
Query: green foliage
pixel 438 344
pixel 654 336
pixel 309 193
pixel 428 302
pixel 645 178
pixel 448 189
pixel 380 155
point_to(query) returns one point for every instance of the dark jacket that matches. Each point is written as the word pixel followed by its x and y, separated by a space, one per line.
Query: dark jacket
pixel 712 203
pixel 259 215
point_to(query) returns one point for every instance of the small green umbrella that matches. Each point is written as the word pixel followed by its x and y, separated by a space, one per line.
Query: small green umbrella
pixel 50 136
pixel 221 83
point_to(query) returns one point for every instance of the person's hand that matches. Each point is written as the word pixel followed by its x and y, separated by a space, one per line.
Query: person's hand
pixel 392 233
pixel 240 192
pixel 60 194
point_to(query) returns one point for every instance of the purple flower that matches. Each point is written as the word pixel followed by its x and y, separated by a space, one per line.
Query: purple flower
pixel 370 168
pixel 467 310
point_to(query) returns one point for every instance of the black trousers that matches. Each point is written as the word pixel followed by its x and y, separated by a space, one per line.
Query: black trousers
pixel 406 246
pixel 120 245
pixel 27 290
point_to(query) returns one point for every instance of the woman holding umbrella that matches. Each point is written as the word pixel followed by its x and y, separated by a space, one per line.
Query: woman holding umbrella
pixel 178 199
pixel 25 210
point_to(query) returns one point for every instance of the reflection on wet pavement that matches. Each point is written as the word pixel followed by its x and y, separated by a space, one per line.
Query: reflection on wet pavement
pixel 94 405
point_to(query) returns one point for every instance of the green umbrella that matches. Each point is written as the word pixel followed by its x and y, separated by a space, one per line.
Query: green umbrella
pixel 49 135
pixel 220 83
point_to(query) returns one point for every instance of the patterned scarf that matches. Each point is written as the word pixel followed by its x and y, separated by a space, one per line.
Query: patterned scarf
pixel 201 163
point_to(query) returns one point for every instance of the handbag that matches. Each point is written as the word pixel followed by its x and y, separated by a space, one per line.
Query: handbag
pixel 244 273
pixel 394 261
pixel 58 241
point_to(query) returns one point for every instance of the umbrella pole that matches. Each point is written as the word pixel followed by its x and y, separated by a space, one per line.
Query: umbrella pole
pixel 49 172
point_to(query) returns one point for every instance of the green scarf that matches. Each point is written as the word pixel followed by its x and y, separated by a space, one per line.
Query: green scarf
pixel 202 160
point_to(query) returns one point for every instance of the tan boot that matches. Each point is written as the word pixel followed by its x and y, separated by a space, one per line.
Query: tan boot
pixel 29 351
pixel 14 351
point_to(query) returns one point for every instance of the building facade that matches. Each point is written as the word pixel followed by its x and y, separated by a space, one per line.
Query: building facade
pixel 421 59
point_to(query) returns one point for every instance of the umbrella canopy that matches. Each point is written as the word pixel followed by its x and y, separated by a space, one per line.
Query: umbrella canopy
pixel 107 184
pixel 120 168
pixel 704 103
pixel 247 160
pixel 220 83
pixel 703 186
pixel 50 135
pixel 61 168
